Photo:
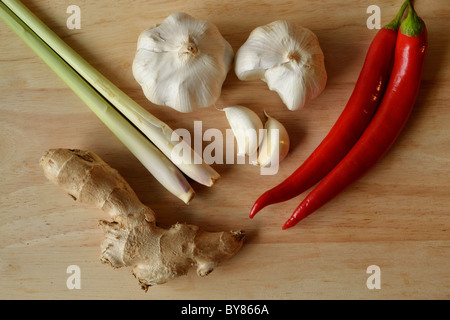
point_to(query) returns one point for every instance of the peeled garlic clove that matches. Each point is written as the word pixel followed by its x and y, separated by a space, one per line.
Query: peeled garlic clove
pixel 288 58
pixel 246 126
pixel 275 145
pixel 182 63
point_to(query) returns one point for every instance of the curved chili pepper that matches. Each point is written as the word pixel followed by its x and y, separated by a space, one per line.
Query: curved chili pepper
pixel 358 112
pixel 386 125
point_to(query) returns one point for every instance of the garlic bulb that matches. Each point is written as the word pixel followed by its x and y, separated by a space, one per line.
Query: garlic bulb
pixel 288 58
pixel 275 145
pixel 246 127
pixel 182 63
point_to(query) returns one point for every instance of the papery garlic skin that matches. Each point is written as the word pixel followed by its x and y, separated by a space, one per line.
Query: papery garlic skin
pixel 182 63
pixel 288 58
pixel 246 127
pixel 275 145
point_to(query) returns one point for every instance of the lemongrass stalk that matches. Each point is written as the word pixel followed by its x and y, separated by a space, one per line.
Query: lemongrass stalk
pixel 156 130
pixel 158 165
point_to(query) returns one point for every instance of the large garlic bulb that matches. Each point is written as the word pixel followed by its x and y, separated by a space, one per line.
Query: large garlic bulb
pixel 182 63
pixel 288 58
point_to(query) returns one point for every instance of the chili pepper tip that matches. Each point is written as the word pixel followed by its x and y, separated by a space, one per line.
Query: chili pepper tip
pixel 256 207
pixel 288 224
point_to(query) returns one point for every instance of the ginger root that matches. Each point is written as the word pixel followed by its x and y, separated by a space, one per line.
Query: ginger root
pixel 132 238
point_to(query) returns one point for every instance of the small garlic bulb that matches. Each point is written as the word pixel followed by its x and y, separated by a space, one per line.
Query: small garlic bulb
pixel 288 58
pixel 275 145
pixel 182 63
pixel 246 127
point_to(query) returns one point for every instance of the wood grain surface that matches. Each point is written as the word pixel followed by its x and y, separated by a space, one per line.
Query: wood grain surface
pixel 395 217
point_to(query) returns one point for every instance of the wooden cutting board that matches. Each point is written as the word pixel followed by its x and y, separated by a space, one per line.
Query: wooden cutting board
pixel 395 218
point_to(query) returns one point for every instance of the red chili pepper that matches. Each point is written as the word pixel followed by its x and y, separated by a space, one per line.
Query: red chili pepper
pixel 387 123
pixel 355 117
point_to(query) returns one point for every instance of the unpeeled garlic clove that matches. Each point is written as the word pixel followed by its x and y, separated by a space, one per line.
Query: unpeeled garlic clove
pixel 288 58
pixel 182 63
pixel 246 127
pixel 275 145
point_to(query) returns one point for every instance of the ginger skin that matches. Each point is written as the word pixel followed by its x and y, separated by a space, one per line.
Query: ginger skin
pixel 132 238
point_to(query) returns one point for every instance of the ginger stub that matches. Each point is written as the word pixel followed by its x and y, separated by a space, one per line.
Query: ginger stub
pixel 132 238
